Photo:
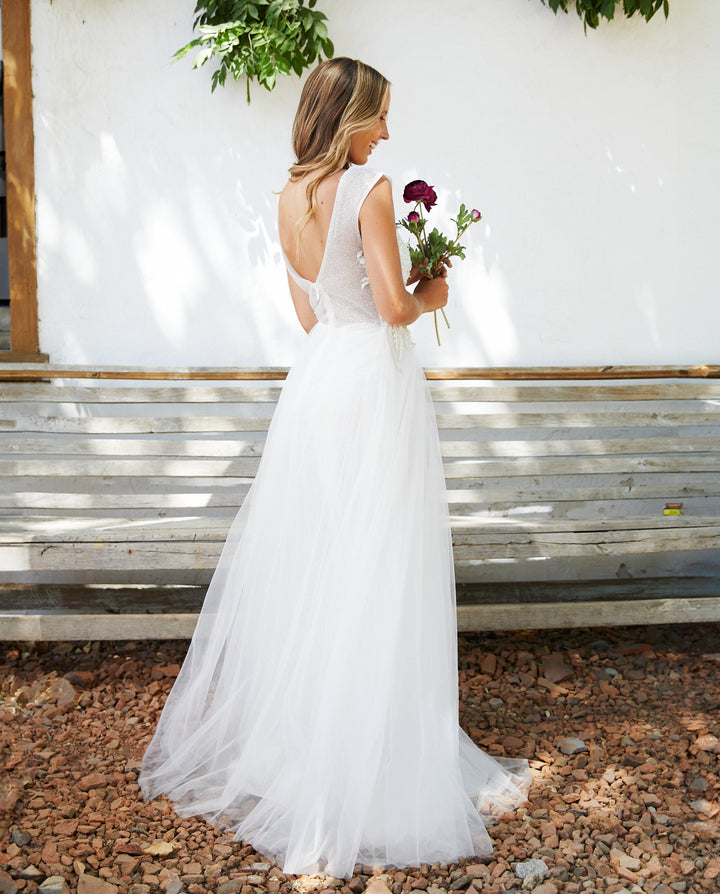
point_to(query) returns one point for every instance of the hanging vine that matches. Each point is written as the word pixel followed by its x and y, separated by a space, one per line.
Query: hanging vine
pixel 590 11
pixel 258 39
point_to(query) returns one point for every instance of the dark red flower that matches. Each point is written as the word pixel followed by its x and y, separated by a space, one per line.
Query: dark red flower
pixel 419 191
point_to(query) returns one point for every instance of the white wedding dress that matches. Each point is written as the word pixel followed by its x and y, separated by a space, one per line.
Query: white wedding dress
pixel 316 713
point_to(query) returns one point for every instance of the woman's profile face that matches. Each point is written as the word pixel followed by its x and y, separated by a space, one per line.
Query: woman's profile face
pixel 363 142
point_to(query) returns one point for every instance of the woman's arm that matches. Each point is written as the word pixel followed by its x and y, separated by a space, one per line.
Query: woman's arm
pixel 395 304
pixel 300 299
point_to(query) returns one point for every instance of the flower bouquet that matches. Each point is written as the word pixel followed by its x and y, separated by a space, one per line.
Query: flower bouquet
pixel 433 250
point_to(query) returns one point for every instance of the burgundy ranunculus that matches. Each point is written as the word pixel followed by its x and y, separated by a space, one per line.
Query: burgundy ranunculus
pixel 475 214
pixel 413 217
pixel 419 191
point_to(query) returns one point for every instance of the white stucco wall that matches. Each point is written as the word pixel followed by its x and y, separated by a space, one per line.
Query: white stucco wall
pixel 595 161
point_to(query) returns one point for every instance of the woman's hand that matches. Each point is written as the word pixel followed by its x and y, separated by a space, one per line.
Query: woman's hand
pixel 433 292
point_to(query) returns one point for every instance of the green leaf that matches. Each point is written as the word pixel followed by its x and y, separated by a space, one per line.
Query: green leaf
pixel 258 38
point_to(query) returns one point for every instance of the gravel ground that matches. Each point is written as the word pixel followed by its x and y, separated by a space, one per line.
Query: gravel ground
pixel 621 726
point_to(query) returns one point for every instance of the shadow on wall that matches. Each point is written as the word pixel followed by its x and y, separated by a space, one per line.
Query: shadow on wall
pixel 156 212
pixel 156 230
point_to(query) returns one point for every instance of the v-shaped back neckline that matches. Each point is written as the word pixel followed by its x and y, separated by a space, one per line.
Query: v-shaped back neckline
pixel 331 227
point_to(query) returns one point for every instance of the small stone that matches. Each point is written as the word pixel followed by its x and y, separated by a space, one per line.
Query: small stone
pixel 708 743
pixel 20 838
pixel 496 703
pixel 31 874
pixel 699 784
pixel 571 746
pixel 60 692
pixel 7 886
pixel 89 884
pixel 531 867
pixel 478 870
pixel 545 888
pixel 620 858
pixel 234 886
pixel 66 828
pixel 91 781
pixel 159 849
pixel 378 885
pixel 488 665
pixel 56 884
pixel 83 679
pixel 555 669
pixel 461 883
pixel 703 806
pixel 261 867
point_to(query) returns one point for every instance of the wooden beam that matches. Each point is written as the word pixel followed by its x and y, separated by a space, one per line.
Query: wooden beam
pixel 562 615
pixel 20 165
pixel 528 373
pixel 83 627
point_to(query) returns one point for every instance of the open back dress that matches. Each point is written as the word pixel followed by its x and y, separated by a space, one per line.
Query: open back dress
pixel 316 713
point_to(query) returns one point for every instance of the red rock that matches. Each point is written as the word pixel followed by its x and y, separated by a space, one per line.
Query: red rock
pixel 632 649
pixel 555 669
pixel 488 665
pixel 169 670
pixel 134 850
pixel 91 781
pixel 65 827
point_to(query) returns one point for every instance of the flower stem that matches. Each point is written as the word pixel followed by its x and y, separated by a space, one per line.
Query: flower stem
pixel 437 333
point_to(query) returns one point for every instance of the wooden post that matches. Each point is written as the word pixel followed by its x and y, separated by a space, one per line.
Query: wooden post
pixel 20 167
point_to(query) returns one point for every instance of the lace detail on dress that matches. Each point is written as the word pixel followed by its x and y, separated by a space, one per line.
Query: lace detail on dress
pixel 405 261
pixel 400 341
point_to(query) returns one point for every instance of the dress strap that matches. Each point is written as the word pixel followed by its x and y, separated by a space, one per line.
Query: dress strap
pixel 304 284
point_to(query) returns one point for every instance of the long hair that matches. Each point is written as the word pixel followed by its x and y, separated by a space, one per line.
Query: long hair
pixel 340 97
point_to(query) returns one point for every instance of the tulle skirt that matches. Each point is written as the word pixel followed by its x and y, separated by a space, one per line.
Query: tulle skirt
pixel 316 713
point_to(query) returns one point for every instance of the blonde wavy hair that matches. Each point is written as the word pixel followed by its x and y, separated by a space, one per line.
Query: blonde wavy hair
pixel 341 97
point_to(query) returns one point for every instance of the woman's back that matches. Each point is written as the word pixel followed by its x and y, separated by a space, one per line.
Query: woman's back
pixel 327 262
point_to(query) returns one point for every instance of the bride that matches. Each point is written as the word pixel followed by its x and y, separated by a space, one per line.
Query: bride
pixel 316 713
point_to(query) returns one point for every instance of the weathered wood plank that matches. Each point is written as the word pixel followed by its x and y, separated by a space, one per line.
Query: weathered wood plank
pixel 202 553
pixel 11 372
pixel 73 628
pixel 56 492
pixel 549 615
pixel 152 445
pixel 511 420
pixel 89 529
pixel 673 610
pixel 115 425
pixel 93 467
pixel 170 467
pixel 196 445
pixel 48 392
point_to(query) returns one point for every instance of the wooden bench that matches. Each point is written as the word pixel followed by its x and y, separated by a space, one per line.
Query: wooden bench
pixel 117 487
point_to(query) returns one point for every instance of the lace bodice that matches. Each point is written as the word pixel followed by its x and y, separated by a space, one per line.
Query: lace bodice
pixel 341 295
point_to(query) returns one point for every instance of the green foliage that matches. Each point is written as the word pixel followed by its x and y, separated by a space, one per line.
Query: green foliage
pixel 590 11
pixel 432 251
pixel 258 38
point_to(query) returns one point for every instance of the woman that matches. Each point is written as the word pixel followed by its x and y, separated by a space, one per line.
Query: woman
pixel 316 712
